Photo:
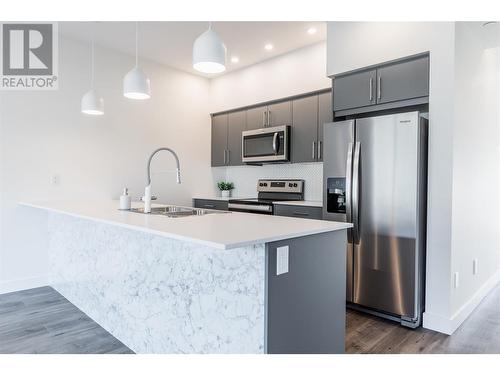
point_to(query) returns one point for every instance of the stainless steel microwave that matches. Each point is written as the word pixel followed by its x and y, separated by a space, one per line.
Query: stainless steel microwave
pixel 266 145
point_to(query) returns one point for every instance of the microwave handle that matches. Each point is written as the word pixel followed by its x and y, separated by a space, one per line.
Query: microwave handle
pixel 275 143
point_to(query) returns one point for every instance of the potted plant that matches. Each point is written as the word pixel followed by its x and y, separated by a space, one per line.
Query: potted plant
pixel 225 188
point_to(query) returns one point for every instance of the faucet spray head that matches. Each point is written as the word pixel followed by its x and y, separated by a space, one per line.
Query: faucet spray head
pixel 178 176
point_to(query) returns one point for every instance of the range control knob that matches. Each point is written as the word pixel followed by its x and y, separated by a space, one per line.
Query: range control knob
pixel 295 184
pixel 290 184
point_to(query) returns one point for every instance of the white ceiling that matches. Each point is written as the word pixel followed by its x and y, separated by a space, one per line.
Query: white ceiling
pixel 171 43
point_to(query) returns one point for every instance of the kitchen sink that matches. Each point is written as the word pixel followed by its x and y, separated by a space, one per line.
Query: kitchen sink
pixel 177 211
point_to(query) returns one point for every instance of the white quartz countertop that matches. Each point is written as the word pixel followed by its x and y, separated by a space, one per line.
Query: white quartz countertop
pixel 300 203
pixel 222 231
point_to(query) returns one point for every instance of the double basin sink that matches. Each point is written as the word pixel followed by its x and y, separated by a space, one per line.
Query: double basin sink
pixel 177 211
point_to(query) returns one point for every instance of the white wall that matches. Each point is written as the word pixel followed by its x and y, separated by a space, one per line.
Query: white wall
pixel 43 133
pixel 354 45
pixel 297 72
pixel 475 222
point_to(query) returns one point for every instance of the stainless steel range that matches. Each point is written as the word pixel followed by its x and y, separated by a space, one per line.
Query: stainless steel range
pixel 269 191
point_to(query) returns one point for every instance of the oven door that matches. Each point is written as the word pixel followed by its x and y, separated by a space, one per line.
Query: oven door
pixel 266 145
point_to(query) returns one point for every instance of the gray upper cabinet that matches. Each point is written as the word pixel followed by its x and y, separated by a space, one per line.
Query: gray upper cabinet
pixel 305 113
pixel 325 115
pixel 236 124
pixel 219 140
pixel 256 118
pixel 305 129
pixel 354 90
pixel 279 114
pixel 389 85
pixel 406 80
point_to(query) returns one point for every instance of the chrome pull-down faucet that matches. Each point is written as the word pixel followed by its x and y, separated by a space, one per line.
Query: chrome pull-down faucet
pixel 147 190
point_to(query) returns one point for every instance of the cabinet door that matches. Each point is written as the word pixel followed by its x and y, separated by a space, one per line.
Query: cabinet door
pixel 405 80
pixel 325 115
pixel 211 204
pixel 304 129
pixel 279 114
pixel 306 212
pixel 219 140
pixel 354 90
pixel 236 124
pixel 256 118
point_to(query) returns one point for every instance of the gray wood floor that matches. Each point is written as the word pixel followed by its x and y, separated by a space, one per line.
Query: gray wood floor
pixel 40 320
pixel 480 333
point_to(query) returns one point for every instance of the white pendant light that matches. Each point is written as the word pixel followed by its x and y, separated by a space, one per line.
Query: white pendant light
pixel 92 103
pixel 136 84
pixel 209 53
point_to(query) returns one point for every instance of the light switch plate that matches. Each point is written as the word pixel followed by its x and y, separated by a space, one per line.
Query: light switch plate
pixel 282 260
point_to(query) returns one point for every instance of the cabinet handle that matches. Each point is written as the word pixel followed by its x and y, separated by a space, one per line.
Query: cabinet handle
pixel 379 87
pixel 268 118
pixel 225 157
pixel 297 213
pixel 371 89
pixel 208 205
pixel 228 157
pixel 314 150
pixel 319 150
pixel 264 119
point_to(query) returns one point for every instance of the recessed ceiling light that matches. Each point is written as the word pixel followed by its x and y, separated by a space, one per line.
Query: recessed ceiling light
pixel 311 30
pixel 268 47
pixel 235 59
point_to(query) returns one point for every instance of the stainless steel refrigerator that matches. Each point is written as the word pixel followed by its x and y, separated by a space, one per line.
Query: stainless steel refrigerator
pixel 374 175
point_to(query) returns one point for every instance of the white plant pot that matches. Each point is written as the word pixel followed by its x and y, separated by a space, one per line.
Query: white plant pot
pixel 225 193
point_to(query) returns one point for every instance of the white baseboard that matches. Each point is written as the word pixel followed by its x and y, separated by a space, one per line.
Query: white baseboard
pixel 449 325
pixel 8 286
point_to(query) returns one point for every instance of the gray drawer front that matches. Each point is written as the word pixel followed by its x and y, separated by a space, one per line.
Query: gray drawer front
pixel 306 212
pixel 211 204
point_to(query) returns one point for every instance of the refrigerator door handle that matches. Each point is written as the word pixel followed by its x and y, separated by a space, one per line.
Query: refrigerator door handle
pixel 355 192
pixel 348 186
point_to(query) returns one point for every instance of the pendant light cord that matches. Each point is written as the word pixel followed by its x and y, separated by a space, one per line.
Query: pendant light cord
pixel 136 44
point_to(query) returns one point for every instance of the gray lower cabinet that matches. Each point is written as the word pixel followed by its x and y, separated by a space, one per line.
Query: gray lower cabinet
pixel 404 80
pixel 236 125
pixel 306 212
pixel 211 204
pixel 354 90
pixel 306 305
pixel 219 140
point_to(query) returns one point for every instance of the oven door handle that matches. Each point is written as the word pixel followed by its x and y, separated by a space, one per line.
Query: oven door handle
pixel 250 207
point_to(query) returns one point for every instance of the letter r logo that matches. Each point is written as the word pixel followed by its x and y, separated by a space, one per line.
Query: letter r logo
pixel 27 49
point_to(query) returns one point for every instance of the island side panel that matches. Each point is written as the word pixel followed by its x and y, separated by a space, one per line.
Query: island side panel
pixel 159 295
pixel 306 306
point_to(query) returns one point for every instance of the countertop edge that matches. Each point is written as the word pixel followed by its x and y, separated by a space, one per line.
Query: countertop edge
pixel 216 245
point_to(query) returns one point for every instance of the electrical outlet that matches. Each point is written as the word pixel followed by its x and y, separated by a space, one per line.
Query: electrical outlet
pixel 282 260
pixel 455 280
pixel 55 180
pixel 474 266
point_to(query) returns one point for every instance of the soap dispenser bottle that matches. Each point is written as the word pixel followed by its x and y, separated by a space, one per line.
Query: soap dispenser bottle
pixel 125 200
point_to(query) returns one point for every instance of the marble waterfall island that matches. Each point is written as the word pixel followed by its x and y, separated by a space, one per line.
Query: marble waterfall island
pixel 218 283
